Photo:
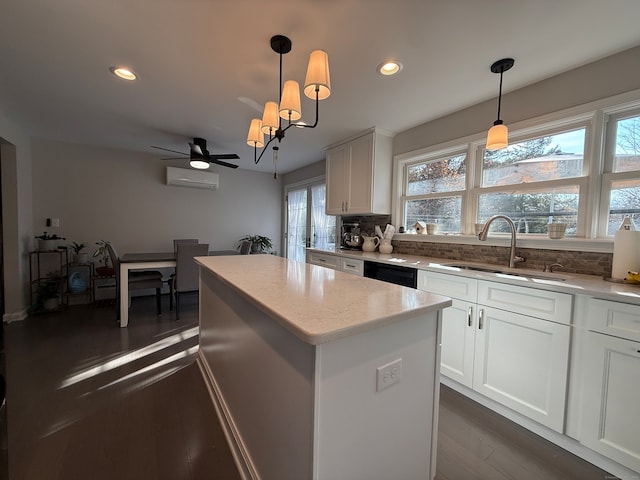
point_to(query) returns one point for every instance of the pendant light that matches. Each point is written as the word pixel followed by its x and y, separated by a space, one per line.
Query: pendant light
pixel 317 86
pixel 498 134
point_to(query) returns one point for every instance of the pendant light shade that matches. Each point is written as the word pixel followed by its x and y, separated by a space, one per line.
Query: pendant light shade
pixel 290 101
pixel 318 76
pixel 270 121
pixel 255 138
pixel 497 137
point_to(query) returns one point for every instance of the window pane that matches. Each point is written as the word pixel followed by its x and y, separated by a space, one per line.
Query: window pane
pixel 531 211
pixel 446 175
pixel 627 157
pixel 443 211
pixel 323 227
pixel 625 200
pixel 536 160
pixel 297 224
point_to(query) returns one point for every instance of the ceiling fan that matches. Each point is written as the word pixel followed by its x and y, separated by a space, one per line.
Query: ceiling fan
pixel 198 151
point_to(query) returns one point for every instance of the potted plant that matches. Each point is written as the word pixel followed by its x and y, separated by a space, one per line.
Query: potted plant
pixel 47 294
pixel 47 241
pixel 103 252
pixel 80 256
pixel 259 243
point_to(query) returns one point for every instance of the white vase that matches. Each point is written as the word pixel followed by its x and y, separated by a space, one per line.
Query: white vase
pixel 385 246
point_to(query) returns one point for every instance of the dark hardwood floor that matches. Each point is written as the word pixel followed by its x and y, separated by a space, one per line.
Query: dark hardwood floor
pixel 88 400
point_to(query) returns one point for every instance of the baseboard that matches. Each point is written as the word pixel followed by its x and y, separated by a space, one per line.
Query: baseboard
pixel 234 440
pixel 15 316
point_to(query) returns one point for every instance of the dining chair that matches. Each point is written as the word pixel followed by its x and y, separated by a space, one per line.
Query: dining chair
pixel 177 241
pixel 187 271
pixel 245 247
pixel 138 280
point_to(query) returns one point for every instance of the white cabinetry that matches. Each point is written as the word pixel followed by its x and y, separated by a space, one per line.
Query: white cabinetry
pixel 509 343
pixel 611 382
pixel 337 262
pixel 359 175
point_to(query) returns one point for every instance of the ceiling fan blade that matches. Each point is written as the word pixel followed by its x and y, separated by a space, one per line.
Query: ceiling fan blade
pixel 224 164
pixel 169 150
pixel 173 158
pixel 226 156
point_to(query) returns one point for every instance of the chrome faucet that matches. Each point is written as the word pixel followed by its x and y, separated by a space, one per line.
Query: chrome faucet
pixel 513 259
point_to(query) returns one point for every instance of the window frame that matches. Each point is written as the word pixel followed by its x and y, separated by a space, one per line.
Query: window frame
pixel 594 184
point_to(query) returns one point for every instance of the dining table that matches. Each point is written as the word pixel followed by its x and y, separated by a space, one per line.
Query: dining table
pixel 147 261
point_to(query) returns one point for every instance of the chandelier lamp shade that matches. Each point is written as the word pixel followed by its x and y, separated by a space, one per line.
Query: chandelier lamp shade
pixel 498 135
pixel 317 86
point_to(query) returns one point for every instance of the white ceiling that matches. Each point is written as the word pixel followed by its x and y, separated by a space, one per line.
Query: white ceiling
pixel 197 59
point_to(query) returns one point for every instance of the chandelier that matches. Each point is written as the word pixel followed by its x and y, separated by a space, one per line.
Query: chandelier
pixel 317 86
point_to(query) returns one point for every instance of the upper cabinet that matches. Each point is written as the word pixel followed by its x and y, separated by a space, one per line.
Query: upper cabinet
pixel 359 175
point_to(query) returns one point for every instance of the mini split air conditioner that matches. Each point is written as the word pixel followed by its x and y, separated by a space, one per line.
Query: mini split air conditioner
pixel 185 177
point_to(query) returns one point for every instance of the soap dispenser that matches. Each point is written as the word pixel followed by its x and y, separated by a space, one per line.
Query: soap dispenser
pixel 627 224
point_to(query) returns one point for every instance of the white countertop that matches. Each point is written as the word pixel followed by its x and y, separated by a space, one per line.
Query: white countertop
pixel 571 283
pixel 317 304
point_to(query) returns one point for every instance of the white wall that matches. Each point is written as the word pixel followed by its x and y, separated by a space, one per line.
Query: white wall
pixel 610 76
pixel 15 158
pixel 100 193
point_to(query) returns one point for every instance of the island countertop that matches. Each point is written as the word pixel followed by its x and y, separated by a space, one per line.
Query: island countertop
pixel 317 304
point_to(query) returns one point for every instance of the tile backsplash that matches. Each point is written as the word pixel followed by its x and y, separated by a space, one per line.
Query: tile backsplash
pixel 587 263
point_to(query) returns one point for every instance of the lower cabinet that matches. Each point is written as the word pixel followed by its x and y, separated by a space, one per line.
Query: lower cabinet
pixel 610 420
pixel 517 360
pixel 337 262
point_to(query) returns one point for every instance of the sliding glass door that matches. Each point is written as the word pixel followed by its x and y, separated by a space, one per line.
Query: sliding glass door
pixel 307 224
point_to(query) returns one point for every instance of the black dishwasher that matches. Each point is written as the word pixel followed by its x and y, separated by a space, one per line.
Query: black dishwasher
pixel 405 276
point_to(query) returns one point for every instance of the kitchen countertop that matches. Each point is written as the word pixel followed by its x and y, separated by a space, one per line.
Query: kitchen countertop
pixel 571 283
pixel 316 304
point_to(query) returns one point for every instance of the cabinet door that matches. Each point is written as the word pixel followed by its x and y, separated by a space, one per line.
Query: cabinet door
pixel 521 362
pixel 458 332
pixel 337 179
pixel 611 398
pixel 360 178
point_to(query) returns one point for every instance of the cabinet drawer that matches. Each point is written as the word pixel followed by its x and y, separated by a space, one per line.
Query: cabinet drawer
pixel 351 265
pixel 614 318
pixel 527 301
pixel 448 285
pixel 329 261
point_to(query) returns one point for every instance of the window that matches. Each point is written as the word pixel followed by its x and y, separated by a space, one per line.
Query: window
pixel 622 170
pixel 534 181
pixel 580 167
pixel 434 190
pixel 305 207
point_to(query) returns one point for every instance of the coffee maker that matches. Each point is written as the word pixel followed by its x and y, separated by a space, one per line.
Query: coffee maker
pixel 350 238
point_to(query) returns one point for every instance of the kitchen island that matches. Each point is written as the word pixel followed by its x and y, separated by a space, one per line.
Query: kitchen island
pixel 318 374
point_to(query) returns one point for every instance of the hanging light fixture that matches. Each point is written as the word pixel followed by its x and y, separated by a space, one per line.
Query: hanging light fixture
pixel 498 134
pixel 317 86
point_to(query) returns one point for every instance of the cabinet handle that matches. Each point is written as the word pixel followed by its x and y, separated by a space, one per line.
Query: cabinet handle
pixel 469 315
pixel 346 206
pixel 480 318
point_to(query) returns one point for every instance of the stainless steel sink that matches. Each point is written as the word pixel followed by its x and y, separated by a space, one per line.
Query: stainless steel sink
pixel 512 273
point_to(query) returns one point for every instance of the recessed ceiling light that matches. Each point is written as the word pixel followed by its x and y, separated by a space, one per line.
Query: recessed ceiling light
pixel 123 72
pixel 389 68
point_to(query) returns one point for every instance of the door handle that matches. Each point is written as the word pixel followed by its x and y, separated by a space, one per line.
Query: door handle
pixel 469 315
pixel 480 318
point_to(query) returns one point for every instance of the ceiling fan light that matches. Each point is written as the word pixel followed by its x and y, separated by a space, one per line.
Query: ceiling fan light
pixel 497 137
pixel 124 73
pixel 290 101
pixel 201 164
pixel 318 77
pixel 270 121
pixel 255 138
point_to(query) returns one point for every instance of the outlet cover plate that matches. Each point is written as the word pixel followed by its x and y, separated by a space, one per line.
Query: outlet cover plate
pixel 388 374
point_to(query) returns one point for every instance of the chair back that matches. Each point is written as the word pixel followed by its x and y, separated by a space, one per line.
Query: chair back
pixel 186 269
pixel 245 247
pixel 115 261
pixel 178 241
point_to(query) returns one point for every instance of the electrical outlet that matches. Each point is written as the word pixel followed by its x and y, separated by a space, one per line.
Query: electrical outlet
pixel 55 222
pixel 389 374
